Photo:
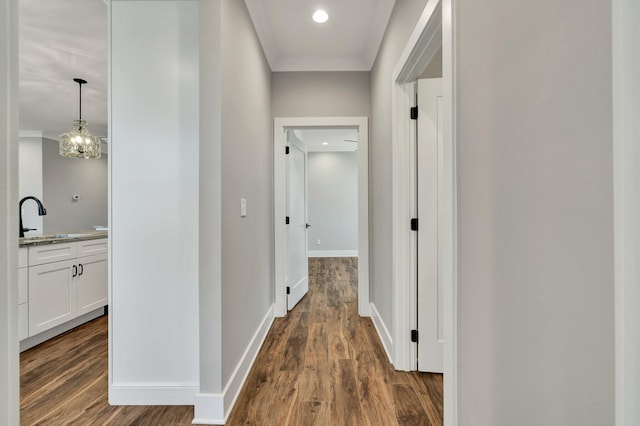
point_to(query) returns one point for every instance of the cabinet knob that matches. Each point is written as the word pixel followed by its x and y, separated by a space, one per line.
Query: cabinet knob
pixel 81 269
pixel 75 271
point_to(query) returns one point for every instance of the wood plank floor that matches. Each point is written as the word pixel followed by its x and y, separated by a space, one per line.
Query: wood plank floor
pixel 324 365
pixel 321 365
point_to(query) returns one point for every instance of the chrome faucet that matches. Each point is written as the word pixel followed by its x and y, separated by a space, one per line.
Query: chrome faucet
pixel 41 212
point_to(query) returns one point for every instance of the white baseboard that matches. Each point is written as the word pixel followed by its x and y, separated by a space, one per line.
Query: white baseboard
pixel 383 332
pixel 32 341
pixel 333 253
pixel 213 409
pixel 152 395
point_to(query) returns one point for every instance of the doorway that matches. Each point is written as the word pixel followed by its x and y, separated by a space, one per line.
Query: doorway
pixel 432 34
pixel 281 128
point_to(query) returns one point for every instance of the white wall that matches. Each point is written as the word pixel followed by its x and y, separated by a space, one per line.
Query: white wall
pixel 321 94
pixel 403 20
pixel 626 105
pixel 535 219
pixel 247 172
pixel 9 378
pixel 62 178
pixel 332 186
pixel 30 180
pixel 154 202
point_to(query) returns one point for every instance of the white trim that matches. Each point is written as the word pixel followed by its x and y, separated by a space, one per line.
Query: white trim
pixel 404 241
pixel 626 169
pixel 152 395
pixel 279 203
pixel 333 253
pixel 383 332
pixel 215 408
pixel 421 42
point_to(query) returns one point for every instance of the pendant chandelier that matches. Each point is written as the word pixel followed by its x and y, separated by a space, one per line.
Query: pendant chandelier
pixel 79 143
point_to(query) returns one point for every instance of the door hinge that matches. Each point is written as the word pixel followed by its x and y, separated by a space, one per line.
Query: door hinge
pixel 286 220
pixel 414 336
pixel 288 290
pixel 286 149
pixel 414 224
pixel 413 112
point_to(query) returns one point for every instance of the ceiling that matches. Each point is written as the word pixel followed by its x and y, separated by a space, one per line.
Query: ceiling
pixel 348 41
pixel 65 39
pixel 328 139
pixel 60 40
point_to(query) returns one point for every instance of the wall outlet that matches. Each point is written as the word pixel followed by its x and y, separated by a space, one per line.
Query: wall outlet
pixel 317 242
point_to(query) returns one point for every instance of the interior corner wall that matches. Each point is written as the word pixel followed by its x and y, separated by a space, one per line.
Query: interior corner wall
pixel 30 181
pixel 247 173
pixel 9 359
pixel 321 94
pixel 154 105
pixel 64 177
pixel 332 198
pixel 402 22
pixel 535 212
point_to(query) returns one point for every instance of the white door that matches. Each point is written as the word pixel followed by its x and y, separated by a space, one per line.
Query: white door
pixel 297 267
pixel 430 295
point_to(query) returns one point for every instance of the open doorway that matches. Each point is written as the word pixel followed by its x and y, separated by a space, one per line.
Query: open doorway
pixel 344 134
pixel 322 203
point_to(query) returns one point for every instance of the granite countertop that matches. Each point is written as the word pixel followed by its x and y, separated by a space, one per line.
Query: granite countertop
pixel 40 240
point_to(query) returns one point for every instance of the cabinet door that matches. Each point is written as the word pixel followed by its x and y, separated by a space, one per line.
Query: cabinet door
pixel 91 283
pixel 52 295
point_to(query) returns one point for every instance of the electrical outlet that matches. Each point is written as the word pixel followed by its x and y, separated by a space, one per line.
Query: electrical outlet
pixel 317 242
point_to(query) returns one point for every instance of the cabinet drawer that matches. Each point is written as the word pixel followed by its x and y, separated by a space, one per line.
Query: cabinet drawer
pixel 23 321
pixel 39 255
pixel 23 285
pixel 91 247
pixel 23 257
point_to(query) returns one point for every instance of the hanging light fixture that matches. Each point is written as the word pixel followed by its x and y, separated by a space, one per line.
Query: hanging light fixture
pixel 79 143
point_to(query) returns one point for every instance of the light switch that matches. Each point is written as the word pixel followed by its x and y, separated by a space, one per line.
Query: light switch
pixel 243 207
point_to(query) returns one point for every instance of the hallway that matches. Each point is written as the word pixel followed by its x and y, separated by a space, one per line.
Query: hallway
pixel 321 365
pixel 324 365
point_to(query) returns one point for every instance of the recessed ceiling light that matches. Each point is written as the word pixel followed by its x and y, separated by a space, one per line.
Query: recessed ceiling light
pixel 320 16
pixel 325 143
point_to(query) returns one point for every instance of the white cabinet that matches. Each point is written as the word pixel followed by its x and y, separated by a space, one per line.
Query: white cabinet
pixel 62 281
pixel 52 296
pixel 23 293
pixel 39 255
pixel 91 283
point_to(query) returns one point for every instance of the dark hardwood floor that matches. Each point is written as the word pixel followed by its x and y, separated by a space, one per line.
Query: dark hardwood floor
pixel 321 365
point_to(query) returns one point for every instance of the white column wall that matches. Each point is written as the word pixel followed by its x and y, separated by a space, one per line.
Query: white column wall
pixel 154 202
pixel 9 379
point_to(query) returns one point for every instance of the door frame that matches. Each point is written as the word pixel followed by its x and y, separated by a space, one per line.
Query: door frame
pixel 279 203
pixel 435 29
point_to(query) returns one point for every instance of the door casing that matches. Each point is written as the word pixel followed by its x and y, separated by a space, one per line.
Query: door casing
pixel 279 202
